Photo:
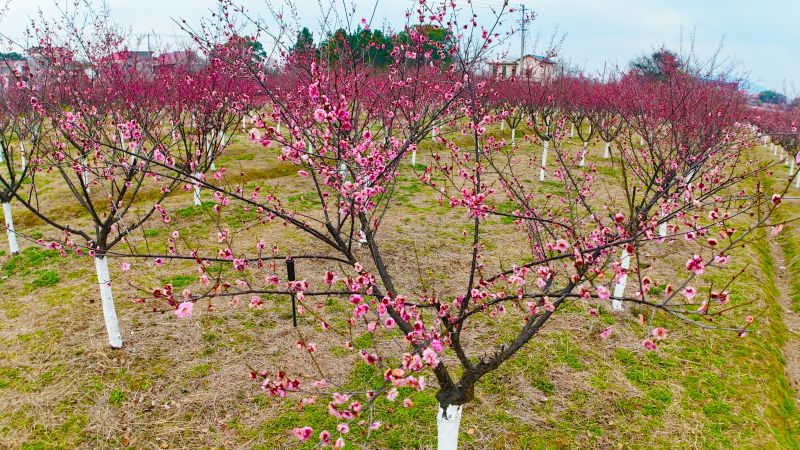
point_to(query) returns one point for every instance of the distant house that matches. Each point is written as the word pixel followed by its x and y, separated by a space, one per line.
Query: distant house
pixel 535 67
pixel 13 67
pixel 186 59
pixel 141 60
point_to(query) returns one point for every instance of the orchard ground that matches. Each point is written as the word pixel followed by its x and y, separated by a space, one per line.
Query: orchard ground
pixel 184 383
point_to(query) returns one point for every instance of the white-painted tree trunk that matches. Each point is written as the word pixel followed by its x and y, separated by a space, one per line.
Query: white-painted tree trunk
pixel 433 134
pixel 502 125
pixel 572 130
pixel 619 288
pixel 414 157
pixel 544 160
pixel 107 299
pixel 244 123
pixel 85 173
pixel 797 181
pixel 583 153
pixel 447 425
pixel 13 246
pixel 279 125
pixel 210 156
pixel 22 153
pixel 641 141
pixel 2 151
pixel 791 167
pixel 513 135
pixel 196 195
pixel 607 151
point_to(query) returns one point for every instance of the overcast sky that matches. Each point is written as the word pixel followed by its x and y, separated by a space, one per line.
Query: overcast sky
pixel 763 35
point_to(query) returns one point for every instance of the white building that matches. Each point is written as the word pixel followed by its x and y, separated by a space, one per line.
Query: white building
pixel 535 67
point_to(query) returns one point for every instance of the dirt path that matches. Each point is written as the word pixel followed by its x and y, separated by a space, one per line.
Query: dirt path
pixel 791 349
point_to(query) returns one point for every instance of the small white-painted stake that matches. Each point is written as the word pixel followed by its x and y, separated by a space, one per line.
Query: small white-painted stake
pixel 513 136
pixel 607 151
pixel 662 229
pixel 414 157
pixel 196 195
pixel 619 288
pixel 22 152
pixel 13 246
pixel 447 425
pixel 544 160
pixel 107 299
pixel 583 153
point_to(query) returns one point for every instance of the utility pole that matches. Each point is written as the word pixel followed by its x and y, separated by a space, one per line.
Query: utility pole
pixel 522 37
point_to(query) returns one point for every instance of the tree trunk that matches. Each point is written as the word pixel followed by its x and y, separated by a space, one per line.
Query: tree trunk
pixel 447 424
pixel 13 247
pixel 502 125
pixel 583 153
pixel 209 156
pixel 607 151
pixel 571 130
pixel 197 201
pixel 414 157
pixel 544 160
pixel 619 289
pixel 513 135
pixel 107 299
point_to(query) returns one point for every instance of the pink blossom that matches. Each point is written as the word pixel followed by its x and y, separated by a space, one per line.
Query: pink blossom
pixel 648 344
pixel 606 333
pixel 695 264
pixel 303 434
pixel 603 293
pixel 126 267
pixel 689 292
pixel 319 115
pixel 430 357
pixel 343 428
pixel 325 437
pixel 184 310
pixel 659 333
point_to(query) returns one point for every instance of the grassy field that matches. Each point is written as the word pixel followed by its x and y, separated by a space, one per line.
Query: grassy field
pixel 184 383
